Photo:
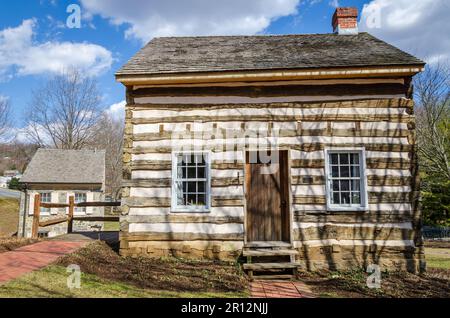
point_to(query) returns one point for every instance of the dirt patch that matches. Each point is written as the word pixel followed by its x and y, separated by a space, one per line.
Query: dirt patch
pixel 11 243
pixel 434 284
pixel 169 274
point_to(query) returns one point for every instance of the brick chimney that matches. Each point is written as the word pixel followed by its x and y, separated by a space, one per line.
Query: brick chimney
pixel 345 21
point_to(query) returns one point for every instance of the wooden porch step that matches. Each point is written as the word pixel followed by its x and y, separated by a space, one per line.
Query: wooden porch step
pixel 263 266
pixel 274 277
pixel 267 244
pixel 269 252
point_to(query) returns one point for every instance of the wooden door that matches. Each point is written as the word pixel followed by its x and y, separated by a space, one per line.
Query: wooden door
pixel 267 199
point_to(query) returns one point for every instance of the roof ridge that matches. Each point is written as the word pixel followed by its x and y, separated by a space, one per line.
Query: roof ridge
pixel 244 35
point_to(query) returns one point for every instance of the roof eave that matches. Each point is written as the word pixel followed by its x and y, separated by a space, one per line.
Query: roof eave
pixel 270 75
pixel 59 183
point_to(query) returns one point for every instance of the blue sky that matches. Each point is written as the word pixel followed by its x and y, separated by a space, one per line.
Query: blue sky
pixel 35 41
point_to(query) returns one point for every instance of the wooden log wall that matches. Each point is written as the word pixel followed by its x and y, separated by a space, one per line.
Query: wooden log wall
pixel 376 116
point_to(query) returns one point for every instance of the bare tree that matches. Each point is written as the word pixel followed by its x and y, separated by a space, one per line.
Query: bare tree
pixel 5 112
pixel 432 92
pixel 64 112
pixel 109 136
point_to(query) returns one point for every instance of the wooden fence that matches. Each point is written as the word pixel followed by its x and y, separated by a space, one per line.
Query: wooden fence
pixel 70 217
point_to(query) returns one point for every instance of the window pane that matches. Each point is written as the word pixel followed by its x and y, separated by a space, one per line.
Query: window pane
pixel 192 187
pixel 80 197
pixel 201 199
pixel 355 185
pixel 191 173
pixel 345 172
pixel 45 197
pixel 191 199
pixel 335 171
pixel 356 198
pixel 335 185
pixel 343 158
pixel 355 171
pixel 334 158
pixel 201 172
pixel 345 197
pixel 200 159
pixel 335 198
pixel 345 185
pixel 201 186
pixel 354 158
pixel 191 160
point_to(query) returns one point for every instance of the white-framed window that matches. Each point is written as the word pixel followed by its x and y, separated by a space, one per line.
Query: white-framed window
pixel 80 197
pixel 346 179
pixel 46 197
pixel 191 179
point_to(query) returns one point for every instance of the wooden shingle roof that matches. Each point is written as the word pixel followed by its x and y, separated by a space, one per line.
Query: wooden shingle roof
pixel 66 166
pixel 170 55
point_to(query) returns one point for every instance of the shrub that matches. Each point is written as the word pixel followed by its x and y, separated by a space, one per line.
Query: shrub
pixel 14 184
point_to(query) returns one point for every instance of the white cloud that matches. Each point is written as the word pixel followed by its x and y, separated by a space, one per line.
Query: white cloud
pixel 334 3
pixel 420 27
pixel 20 55
pixel 150 18
pixel 117 111
pixel 20 135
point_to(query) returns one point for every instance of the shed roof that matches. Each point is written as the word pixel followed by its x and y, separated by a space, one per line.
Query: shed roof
pixel 169 55
pixel 66 166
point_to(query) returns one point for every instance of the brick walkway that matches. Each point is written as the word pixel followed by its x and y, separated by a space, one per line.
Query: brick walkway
pixel 278 289
pixel 31 257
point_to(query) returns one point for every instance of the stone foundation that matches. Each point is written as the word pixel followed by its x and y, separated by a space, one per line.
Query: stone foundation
pixel 311 258
pixel 225 251
pixel 341 257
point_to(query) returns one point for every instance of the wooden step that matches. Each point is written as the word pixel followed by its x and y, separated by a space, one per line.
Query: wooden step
pixel 269 252
pixel 267 244
pixel 274 277
pixel 262 266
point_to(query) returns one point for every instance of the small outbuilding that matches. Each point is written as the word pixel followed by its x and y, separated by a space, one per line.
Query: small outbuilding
pixel 56 175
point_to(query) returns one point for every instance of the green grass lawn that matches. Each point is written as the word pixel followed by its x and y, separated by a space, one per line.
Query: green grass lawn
pixel 51 282
pixel 9 216
pixel 438 258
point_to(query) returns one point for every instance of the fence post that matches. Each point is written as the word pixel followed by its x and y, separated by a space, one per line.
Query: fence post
pixel 70 220
pixel 36 215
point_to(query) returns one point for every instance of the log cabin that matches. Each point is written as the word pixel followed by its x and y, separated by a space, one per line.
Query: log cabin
pixel 295 151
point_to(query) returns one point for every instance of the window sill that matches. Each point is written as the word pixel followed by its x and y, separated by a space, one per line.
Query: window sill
pixel 347 209
pixel 179 211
